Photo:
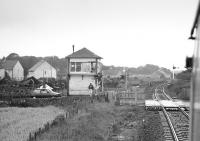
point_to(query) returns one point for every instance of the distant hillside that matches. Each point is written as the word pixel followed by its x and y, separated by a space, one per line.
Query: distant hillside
pixel 147 71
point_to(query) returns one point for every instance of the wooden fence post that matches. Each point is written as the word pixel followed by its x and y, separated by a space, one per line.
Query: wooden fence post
pixel 135 98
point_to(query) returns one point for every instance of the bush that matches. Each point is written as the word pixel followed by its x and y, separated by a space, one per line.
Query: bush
pixel 179 89
pixel 184 94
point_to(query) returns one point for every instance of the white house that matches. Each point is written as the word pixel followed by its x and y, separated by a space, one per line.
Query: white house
pixel 83 67
pixel 2 73
pixel 42 69
pixel 13 68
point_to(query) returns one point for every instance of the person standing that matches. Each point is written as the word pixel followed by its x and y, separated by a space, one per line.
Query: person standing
pixel 91 88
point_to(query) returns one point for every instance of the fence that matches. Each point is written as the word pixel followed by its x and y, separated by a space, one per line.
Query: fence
pixel 128 97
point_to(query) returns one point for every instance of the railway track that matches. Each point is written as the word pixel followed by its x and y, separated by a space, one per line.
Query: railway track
pixel 168 135
pixel 181 125
pixel 175 123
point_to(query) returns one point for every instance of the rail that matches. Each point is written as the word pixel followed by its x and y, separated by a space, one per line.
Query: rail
pixel 172 130
pixel 186 114
pixel 180 109
pixel 170 124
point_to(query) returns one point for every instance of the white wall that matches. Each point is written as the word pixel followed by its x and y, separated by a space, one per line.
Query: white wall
pixel 2 73
pixel 77 83
pixel 18 72
pixel 82 59
pixel 30 73
pixel 44 70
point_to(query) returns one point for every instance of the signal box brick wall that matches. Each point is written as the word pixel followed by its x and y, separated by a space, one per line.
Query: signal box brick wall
pixel 79 84
pixel 83 67
pixel 79 81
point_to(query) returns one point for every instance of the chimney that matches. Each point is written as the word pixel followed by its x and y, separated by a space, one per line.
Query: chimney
pixel 73 48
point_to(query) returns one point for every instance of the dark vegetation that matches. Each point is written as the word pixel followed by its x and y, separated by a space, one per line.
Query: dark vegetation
pixel 185 75
pixel 147 69
pixel 112 82
pixel 10 89
pixel 119 83
pixel 114 77
pixel 180 87
pixel 56 101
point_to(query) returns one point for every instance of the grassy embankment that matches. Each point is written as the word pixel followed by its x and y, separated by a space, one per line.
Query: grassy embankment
pixel 100 121
pixel 16 123
pixel 181 86
pixel 179 89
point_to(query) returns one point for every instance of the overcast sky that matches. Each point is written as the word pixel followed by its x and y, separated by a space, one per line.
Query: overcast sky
pixel 123 32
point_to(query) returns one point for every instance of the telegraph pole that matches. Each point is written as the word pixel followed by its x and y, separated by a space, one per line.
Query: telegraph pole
pixel 126 78
pixel 102 82
pixel 173 71
pixel 125 72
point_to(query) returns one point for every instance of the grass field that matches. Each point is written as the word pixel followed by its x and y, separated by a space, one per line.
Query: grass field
pixel 91 124
pixel 16 123
pixel 97 121
pixel 102 121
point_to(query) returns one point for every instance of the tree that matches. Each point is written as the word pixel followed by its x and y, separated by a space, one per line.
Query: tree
pixel 162 76
pixel 12 56
pixel 185 75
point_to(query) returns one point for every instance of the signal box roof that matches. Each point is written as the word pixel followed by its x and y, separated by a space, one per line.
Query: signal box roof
pixel 83 53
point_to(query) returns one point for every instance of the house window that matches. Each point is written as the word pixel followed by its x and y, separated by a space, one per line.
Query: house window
pixel 93 67
pixel 78 66
pixel 72 66
pixel 75 66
